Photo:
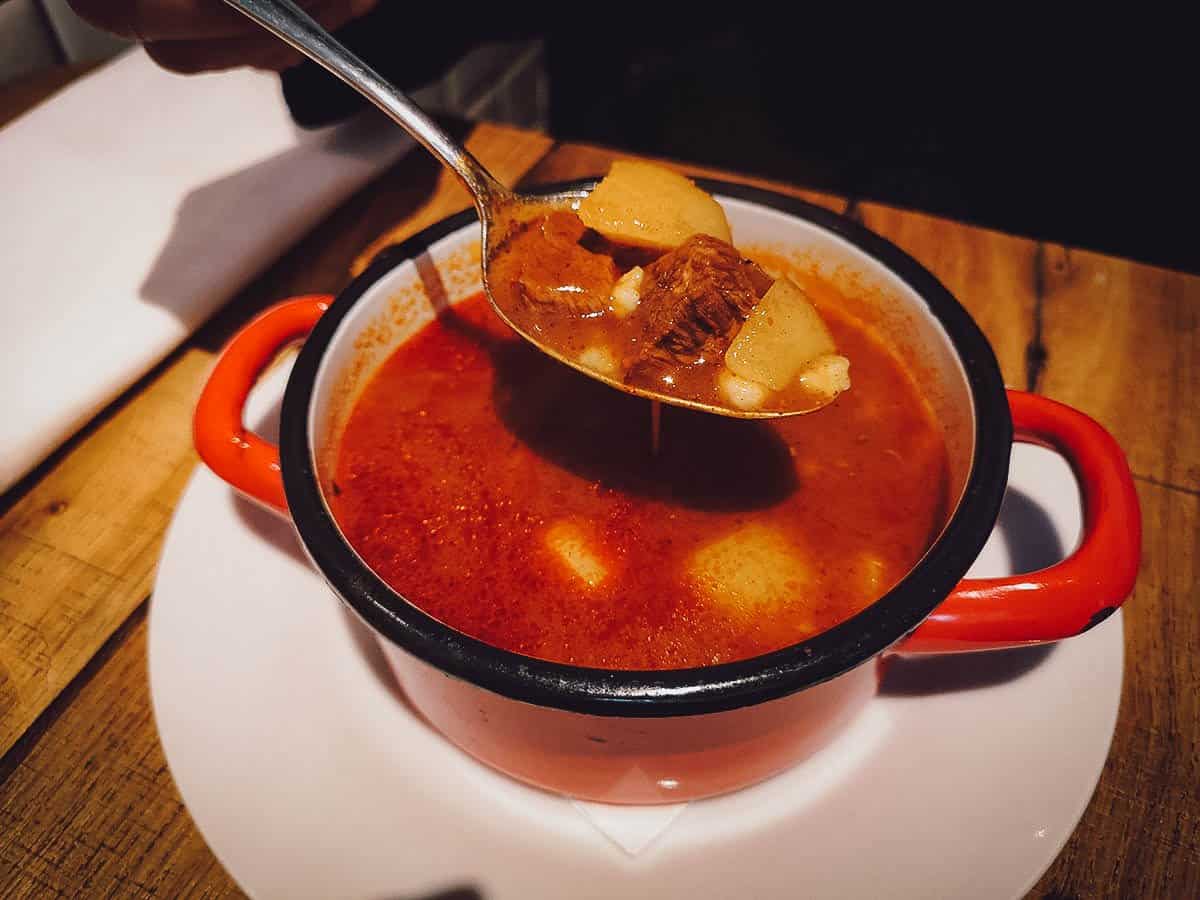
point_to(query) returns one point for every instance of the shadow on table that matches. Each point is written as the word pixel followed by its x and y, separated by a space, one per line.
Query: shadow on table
pixel 457 893
pixel 227 230
pixel 1032 543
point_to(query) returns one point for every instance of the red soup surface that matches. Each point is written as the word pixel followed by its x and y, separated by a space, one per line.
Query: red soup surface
pixel 520 502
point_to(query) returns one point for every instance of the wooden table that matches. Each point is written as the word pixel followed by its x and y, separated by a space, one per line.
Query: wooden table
pixel 87 806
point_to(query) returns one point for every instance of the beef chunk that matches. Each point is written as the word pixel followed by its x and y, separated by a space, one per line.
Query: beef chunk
pixel 693 301
pixel 547 269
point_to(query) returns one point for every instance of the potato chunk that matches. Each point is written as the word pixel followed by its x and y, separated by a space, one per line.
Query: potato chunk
pixel 782 334
pixel 600 359
pixel 646 205
pixel 828 375
pixel 750 571
pixel 740 393
pixel 569 541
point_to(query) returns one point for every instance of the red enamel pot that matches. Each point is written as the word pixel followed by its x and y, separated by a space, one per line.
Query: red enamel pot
pixel 667 736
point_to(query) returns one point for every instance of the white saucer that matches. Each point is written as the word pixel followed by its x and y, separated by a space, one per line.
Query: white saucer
pixel 309 777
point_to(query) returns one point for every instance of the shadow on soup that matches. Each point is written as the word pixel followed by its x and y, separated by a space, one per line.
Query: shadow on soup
pixel 520 502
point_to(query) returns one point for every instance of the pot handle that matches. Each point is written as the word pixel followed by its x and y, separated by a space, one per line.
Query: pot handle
pixel 1071 596
pixel 236 455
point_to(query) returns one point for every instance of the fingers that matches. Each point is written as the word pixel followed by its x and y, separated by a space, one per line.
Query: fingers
pixel 250 47
pixel 195 20
pixel 154 20
pixel 190 57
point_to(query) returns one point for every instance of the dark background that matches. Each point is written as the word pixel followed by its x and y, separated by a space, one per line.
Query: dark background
pixel 1079 133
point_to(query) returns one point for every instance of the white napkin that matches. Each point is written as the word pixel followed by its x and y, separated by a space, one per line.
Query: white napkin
pixel 132 205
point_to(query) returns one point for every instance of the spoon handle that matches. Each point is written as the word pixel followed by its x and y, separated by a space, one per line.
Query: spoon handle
pixel 289 22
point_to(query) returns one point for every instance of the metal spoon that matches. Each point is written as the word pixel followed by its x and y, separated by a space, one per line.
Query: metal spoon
pixel 498 207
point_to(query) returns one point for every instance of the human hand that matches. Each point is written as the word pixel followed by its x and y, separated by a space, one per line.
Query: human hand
pixel 190 36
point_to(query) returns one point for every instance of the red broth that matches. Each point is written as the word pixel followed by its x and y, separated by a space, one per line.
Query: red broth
pixel 518 502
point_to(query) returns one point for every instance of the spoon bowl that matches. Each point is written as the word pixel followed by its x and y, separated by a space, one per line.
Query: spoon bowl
pixel 498 207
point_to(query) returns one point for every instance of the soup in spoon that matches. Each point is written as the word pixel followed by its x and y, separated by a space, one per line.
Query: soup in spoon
pixel 642 286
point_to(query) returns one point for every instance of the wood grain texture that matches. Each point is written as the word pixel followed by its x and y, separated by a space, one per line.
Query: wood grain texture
pixel 993 275
pixel 506 152
pixel 1123 344
pixel 88 808
pixel 78 550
